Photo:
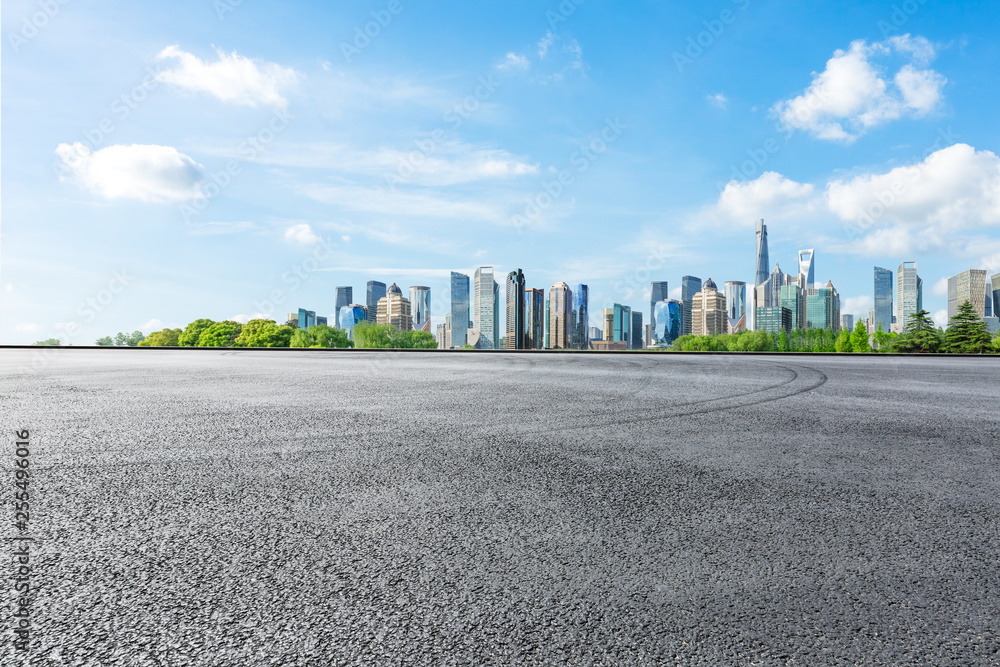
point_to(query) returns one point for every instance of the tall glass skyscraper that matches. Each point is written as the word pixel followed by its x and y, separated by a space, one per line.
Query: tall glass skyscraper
pixel 689 287
pixel 669 316
pixel 581 317
pixel 376 291
pixel 659 291
pixel 909 298
pixel 793 299
pixel 486 307
pixel 736 304
pixel 514 338
pixel 882 312
pixel 807 268
pixel 420 306
pixel 761 271
pixel 636 342
pixel 342 296
pixel 534 321
pixel 350 315
pixel 995 284
pixel 622 324
pixel 459 309
pixel 559 316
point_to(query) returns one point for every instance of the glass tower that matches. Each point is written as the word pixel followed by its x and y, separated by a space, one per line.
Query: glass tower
pixel 420 305
pixel 485 307
pixel 342 296
pixel 375 291
pixel 689 287
pixel 659 291
pixel 459 309
pixel 514 339
pixel 534 328
pixel 622 324
pixel 761 271
pixel 581 317
pixel 350 315
pixel 669 317
pixel 883 300
pixel 736 304
pixel 908 296
pixel 995 285
pixel 636 342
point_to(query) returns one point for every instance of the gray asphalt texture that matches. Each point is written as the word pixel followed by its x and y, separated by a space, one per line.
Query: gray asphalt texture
pixel 276 508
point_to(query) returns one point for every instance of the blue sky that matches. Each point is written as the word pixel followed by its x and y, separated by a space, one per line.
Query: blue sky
pixel 166 162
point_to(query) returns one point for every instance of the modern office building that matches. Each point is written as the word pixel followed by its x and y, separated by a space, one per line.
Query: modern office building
pixel 375 291
pixel 736 305
pixel 636 343
pixel 560 317
pixel 595 333
pixel 669 320
pixel 690 286
pixel 486 307
pixel 306 318
pixel 320 320
pixel 995 284
pixel 580 317
pixel 342 296
pixel 609 324
pixel 760 272
pixel 774 319
pixel 909 294
pixel 621 324
pixel 515 327
pixel 847 322
pixel 823 308
pixel 420 307
pixel 659 291
pixel 441 337
pixel 708 311
pixel 459 309
pixel 792 298
pixel 968 286
pixel 883 300
pixel 534 323
pixel 350 315
pixel 807 268
pixel 395 310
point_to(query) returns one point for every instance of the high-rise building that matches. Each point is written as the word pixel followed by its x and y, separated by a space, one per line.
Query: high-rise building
pixel 708 311
pixel 807 268
pixel 995 284
pixel 909 295
pixel 420 306
pixel 636 330
pixel 342 296
pixel 883 300
pixel 621 324
pixel 968 286
pixel 442 337
pixel 823 308
pixel 375 291
pixel 775 319
pixel 459 309
pixel 395 310
pixel 847 322
pixel 306 318
pixel 320 320
pixel 350 315
pixel 689 287
pixel 792 298
pixel 514 340
pixel 669 322
pixel 486 307
pixel 534 328
pixel 580 317
pixel 760 272
pixel 609 324
pixel 659 291
pixel 736 305
pixel 559 316
pixel 595 333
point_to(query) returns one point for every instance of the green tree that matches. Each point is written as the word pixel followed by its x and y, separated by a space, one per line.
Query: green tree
pixel 920 335
pixel 843 343
pixel 883 340
pixel 292 323
pixel 220 334
pixel 371 336
pixel 967 332
pixel 123 339
pixel 49 342
pixel 859 338
pixel 193 331
pixel 105 342
pixel 164 338
pixel 320 335
pixel 264 333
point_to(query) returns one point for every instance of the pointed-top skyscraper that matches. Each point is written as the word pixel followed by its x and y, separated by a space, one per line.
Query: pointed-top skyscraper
pixel 807 268
pixel 762 271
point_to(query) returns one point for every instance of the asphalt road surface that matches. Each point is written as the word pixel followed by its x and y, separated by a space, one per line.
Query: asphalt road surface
pixel 275 508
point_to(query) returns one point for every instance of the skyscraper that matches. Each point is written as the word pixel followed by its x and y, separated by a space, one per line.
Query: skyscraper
pixel 708 311
pixel 420 306
pixel 659 291
pixel 823 308
pixel 689 287
pixel 534 327
pixel 760 275
pixel 636 343
pixel 306 318
pixel 459 309
pixel 395 310
pixel 669 321
pixel 792 298
pixel 350 315
pixel 847 322
pixel 968 286
pixel 883 300
pixel 909 297
pixel 485 307
pixel 609 324
pixel 581 317
pixel 995 284
pixel 736 304
pixel 775 319
pixel 342 296
pixel 807 268
pixel 375 291
pixel 559 316
pixel 514 339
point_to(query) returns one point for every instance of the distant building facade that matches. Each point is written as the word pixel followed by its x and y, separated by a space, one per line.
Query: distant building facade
pixel 459 309
pixel 342 296
pixel 559 316
pixel 486 307
pixel 690 285
pixel 351 315
pixel 909 294
pixel 774 320
pixel 580 317
pixel 708 311
pixel 375 290
pixel 636 329
pixel 736 305
pixel 534 323
pixel 515 327
pixel 669 322
pixel 882 311
pixel 968 286
pixel 420 307
pixel 395 310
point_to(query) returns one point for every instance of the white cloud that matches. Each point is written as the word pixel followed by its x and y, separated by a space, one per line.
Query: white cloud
pixel 301 233
pixel 152 325
pixel 514 61
pixel 231 78
pixel 147 172
pixel 26 327
pixel 940 287
pixel 675 293
pixel 851 96
pixel 544 43
pixel 242 318
pixel 718 100
pixel 769 196
pixel 941 318
pixel 345 238
pixel 9 287
pixel 857 306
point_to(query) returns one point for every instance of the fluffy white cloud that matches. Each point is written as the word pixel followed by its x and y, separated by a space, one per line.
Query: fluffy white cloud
pixel 147 172
pixel 231 78
pixel 152 325
pixel 857 306
pixel 940 287
pixel 941 318
pixel 718 100
pixel 301 233
pixel 514 61
pixel 243 318
pixel 771 196
pixel 850 95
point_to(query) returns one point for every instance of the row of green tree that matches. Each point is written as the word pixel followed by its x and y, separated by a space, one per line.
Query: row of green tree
pixel 967 333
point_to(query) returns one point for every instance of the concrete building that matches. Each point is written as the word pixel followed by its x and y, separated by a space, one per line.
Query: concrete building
pixel 708 311
pixel 995 284
pixel 736 305
pixel 609 324
pixel 560 317
pixel 515 328
pixel 395 310
pixel 909 294
pixel 596 333
pixel 968 286
pixel 420 307
pixel 460 321
pixel 883 300
pixel 374 291
pixel 534 308
pixel 342 296
pixel 608 345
